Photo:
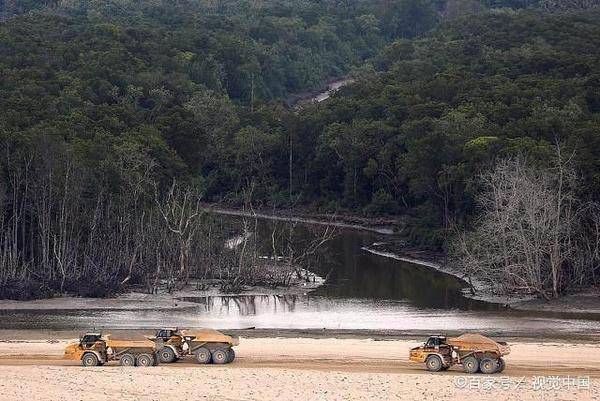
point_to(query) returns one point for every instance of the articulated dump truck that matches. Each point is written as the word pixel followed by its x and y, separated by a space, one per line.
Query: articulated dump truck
pixel 474 352
pixel 95 349
pixel 205 345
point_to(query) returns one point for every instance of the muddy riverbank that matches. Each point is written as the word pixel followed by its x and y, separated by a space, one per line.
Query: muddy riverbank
pixel 578 304
pixel 11 336
pixel 136 299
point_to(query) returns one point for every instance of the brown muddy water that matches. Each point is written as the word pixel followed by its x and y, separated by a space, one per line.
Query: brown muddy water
pixel 363 291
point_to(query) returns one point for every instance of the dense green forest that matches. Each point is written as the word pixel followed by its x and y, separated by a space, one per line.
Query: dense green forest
pixel 104 104
pixel 428 115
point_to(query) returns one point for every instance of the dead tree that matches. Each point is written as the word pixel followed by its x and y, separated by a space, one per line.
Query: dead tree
pixel 523 237
pixel 180 209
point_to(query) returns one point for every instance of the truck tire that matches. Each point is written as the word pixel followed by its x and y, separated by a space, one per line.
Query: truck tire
pixel 434 363
pixel 202 355
pixel 488 366
pixel 167 355
pixel 470 364
pixel 127 360
pixel 231 355
pixel 220 356
pixel 144 360
pixel 501 365
pixel 90 359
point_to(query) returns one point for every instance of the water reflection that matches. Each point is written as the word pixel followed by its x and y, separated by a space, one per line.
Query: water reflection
pixel 244 304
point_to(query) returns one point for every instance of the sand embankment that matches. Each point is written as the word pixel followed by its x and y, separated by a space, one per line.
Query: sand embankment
pixel 301 369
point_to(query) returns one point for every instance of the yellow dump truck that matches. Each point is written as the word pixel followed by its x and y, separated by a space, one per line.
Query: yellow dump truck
pixel 476 353
pixel 205 345
pixel 95 349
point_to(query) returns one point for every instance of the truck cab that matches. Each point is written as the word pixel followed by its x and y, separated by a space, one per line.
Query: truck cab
pixel 435 342
pixel 167 334
pixel 435 352
pixel 91 350
pixel 88 340
pixel 174 344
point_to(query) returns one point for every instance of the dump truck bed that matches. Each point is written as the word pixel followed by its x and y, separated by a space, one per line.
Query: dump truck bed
pixel 119 346
pixel 130 344
pixel 210 336
pixel 477 342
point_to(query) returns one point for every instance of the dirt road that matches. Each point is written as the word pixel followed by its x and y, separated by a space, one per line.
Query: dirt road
pixel 302 369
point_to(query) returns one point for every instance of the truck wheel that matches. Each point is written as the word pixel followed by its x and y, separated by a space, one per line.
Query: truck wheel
pixel 90 359
pixel 220 356
pixel 127 360
pixel 433 363
pixel 202 355
pixel 470 364
pixel 231 355
pixel 501 365
pixel 167 355
pixel 144 360
pixel 488 366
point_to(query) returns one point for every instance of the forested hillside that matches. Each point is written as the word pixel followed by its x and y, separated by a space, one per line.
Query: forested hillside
pixel 414 132
pixel 104 104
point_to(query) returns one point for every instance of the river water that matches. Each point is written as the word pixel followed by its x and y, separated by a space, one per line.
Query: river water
pixel 363 291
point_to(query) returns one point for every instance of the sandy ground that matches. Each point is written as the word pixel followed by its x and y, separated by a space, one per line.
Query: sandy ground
pixel 302 369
